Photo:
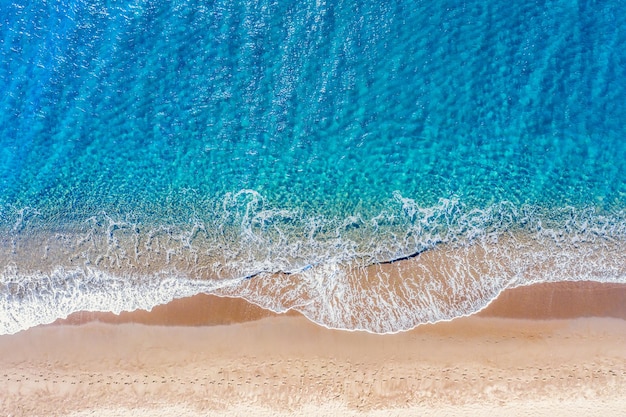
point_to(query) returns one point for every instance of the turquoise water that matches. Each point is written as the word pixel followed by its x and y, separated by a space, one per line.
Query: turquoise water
pixel 156 149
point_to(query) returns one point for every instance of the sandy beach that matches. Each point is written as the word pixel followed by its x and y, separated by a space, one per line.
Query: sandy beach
pixel 550 349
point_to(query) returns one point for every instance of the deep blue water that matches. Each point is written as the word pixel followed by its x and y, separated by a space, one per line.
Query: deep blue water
pixel 276 136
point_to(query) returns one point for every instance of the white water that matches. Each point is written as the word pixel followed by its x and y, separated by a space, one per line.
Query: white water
pixel 329 271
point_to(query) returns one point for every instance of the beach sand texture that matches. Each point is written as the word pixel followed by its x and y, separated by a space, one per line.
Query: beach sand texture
pixel 513 358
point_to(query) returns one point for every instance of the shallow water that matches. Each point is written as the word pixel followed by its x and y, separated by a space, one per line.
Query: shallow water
pixel 277 151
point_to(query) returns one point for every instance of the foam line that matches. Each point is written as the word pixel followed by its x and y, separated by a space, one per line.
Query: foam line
pixel 337 277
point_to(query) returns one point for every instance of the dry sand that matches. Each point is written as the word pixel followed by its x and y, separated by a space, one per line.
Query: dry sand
pixel 266 364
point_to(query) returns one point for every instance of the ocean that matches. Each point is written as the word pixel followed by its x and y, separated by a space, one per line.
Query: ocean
pixel 373 165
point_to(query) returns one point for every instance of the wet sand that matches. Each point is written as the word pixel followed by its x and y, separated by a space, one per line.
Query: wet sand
pixel 550 349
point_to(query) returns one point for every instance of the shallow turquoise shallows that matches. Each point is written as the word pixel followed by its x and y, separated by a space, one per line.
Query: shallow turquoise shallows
pixel 157 149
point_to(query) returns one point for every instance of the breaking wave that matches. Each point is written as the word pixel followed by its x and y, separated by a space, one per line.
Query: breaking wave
pixel 383 272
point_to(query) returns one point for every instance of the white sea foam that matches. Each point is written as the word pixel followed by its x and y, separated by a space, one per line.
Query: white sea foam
pixel 441 284
pixel 31 299
pixel 336 271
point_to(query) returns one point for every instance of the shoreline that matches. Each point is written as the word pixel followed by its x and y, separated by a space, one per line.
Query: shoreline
pixel 543 301
pixel 441 284
pixel 260 363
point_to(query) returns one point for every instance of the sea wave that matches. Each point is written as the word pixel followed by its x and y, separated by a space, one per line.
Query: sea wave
pixel 391 271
